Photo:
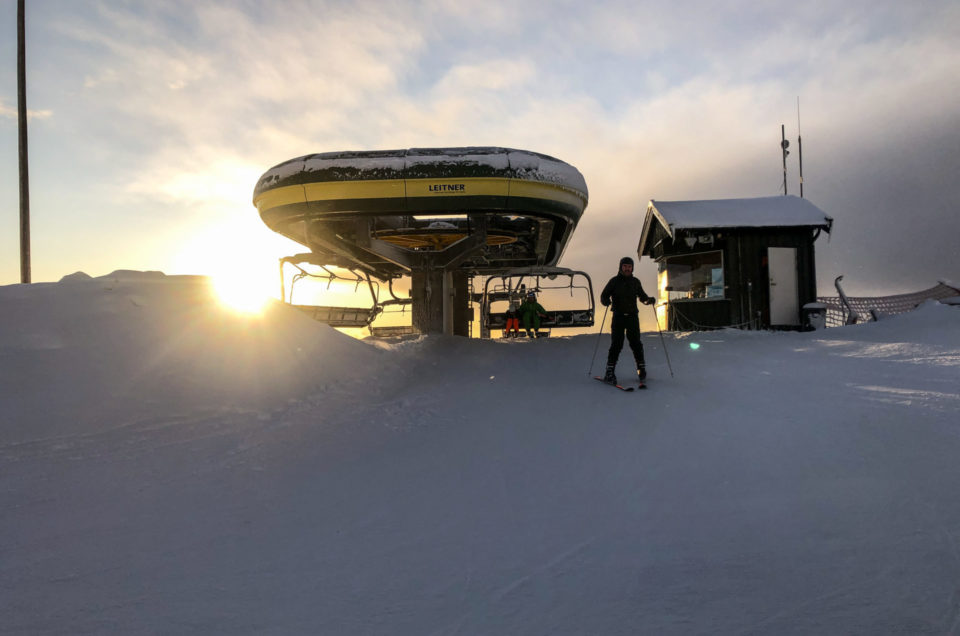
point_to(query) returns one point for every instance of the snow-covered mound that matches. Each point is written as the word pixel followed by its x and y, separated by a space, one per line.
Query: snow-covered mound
pixel 167 467
pixel 90 350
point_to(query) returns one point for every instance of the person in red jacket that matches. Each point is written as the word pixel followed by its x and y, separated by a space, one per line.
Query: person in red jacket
pixel 621 294
pixel 512 327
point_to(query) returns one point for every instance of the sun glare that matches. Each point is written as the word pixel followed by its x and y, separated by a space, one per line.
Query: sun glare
pixel 242 273
pixel 243 285
pixel 238 294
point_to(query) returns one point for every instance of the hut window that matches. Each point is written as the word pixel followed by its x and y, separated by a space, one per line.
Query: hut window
pixel 697 275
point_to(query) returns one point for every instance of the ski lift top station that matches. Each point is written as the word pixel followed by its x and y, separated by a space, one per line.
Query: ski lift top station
pixel 438 215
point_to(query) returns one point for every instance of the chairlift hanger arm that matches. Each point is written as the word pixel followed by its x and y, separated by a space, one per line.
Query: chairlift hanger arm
pixel 392 294
pixel 374 294
pixel 328 274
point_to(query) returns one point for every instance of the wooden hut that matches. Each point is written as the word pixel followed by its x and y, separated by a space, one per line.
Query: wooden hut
pixel 733 262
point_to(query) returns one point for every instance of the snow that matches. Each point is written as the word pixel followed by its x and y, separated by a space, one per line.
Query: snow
pixel 169 467
pixel 359 162
pixel 392 164
pixel 785 211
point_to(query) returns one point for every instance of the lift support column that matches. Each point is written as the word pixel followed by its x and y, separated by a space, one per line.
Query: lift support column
pixel 440 302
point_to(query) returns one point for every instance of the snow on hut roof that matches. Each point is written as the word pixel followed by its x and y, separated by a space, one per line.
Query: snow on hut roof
pixel 778 211
pixel 761 212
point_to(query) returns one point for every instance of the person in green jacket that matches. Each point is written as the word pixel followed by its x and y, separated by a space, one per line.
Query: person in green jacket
pixel 530 314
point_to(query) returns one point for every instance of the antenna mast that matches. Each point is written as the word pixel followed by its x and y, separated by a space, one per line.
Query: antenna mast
pixel 784 144
pixel 800 147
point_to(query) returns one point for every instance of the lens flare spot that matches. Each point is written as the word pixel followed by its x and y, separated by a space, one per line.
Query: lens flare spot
pixel 694 346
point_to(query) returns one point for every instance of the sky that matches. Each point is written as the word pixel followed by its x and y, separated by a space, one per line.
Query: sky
pixel 151 122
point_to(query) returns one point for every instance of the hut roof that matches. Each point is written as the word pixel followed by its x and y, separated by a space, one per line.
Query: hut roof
pixel 779 211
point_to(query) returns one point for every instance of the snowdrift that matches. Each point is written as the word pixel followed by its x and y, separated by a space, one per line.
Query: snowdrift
pixel 85 351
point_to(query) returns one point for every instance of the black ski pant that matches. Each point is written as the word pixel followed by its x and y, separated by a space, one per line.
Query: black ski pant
pixel 629 325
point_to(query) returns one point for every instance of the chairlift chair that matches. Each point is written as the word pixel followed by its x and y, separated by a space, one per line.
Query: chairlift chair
pixel 335 316
pixel 394 304
pixel 339 316
pixel 500 287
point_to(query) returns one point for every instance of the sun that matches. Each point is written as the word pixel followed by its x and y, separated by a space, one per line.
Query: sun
pixel 239 293
pixel 242 271
pixel 243 283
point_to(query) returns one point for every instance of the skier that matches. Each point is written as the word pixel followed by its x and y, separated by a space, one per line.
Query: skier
pixel 622 292
pixel 513 321
pixel 530 314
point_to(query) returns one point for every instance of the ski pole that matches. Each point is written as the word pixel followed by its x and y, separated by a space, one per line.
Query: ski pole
pixel 597 346
pixel 662 342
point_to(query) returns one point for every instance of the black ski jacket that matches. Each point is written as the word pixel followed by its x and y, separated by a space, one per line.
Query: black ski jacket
pixel 623 292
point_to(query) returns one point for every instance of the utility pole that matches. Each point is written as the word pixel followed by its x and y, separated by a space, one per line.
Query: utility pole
pixel 22 121
pixel 784 144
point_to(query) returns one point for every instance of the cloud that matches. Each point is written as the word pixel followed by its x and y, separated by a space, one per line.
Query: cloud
pixel 183 102
pixel 11 112
pixel 492 75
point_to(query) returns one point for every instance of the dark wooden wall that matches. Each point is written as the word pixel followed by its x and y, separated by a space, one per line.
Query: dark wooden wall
pixel 745 265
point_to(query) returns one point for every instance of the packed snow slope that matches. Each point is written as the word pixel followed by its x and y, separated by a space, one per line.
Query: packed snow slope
pixel 169 467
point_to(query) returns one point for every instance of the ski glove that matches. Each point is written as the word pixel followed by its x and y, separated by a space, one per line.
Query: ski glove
pixel 649 301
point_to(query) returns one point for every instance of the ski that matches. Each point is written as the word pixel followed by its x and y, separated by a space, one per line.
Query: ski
pixel 622 388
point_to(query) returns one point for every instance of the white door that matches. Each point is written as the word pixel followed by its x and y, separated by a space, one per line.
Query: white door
pixel 784 304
